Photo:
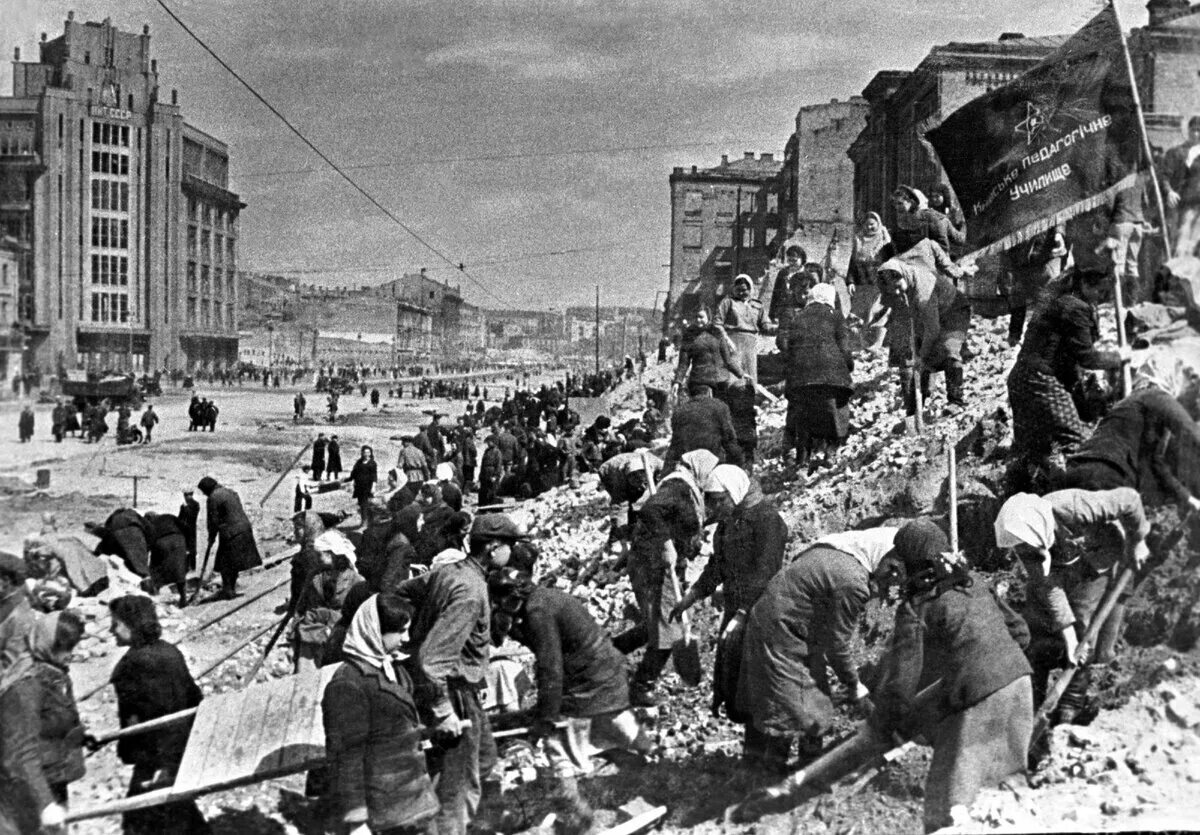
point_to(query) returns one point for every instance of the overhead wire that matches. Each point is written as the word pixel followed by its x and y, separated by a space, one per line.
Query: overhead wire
pixel 458 265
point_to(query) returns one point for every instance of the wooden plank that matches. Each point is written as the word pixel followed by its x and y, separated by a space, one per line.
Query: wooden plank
pixel 275 724
pixel 208 725
pixel 296 751
pixel 254 713
pixel 218 743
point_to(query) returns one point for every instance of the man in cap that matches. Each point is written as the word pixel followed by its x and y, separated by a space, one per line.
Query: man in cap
pixel 452 632
pixel 1072 543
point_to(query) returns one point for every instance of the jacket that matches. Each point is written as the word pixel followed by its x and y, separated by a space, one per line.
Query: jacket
pixel 363 476
pixel 912 228
pixel 704 423
pixel 1130 439
pixel 747 552
pixel 705 359
pixel 225 514
pixel 579 671
pixel 817 352
pixel 934 302
pixel 667 515
pixel 452 628
pixel 746 316
pixel 1062 338
pixel 151 681
pixel 373 749
pixel 967 637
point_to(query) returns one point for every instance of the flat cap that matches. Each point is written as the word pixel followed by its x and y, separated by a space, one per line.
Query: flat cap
pixel 496 526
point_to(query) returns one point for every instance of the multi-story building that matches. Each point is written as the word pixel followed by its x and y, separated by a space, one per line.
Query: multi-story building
pixel 1166 60
pixel 126 210
pixel 12 256
pixel 442 306
pixel 817 181
pixel 724 221
pixel 539 330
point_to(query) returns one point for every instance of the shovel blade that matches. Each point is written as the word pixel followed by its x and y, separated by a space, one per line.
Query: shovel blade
pixel 685 654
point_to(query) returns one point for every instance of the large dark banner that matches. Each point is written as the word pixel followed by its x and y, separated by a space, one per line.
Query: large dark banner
pixel 1059 140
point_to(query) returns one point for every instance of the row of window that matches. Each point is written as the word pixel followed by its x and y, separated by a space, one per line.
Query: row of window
pixel 693 201
pixel 209 215
pixel 105 162
pixel 205 246
pixel 110 195
pixel 693 236
pixel 104 133
pixel 110 307
pixel 207 314
pixel 110 233
pixel 221 281
pixel 110 269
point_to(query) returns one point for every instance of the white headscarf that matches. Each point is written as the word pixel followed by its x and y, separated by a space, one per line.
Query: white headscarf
pixel 1162 369
pixel 1026 519
pixel 729 479
pixel 364 640
pixel 336 542
pixel 869 546
pixel 695 470
pixel 822 294
pixel 445 471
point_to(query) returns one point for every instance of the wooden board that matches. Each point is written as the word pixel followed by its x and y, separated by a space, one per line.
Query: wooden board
pixel 259 732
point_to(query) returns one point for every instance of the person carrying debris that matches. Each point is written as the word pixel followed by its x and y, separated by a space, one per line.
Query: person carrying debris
pixel 1044 386
pixel 932 335
pixel 818 367
pixel 321 600
pixel 152 680
pixel 452 630
pixel 666 536
pixel 1072 543
pixel 580 676
pixel 237 551
pixel 1132 443
pixel 950 628
pixel 747 552
pixel 378 779
pixel 801 625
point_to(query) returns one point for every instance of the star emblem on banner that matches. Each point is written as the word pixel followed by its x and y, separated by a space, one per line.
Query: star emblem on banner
pixel 1033 123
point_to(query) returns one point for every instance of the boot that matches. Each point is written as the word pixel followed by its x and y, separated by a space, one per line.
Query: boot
pixel 1074 701
pixel 954 385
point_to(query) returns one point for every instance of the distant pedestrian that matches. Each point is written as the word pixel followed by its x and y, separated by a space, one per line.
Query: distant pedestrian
pixel 363 476
pixel 298 404
pixel 58 420
pixel 333 458
pixel 149 421
pixel 25 424
pixel 318 456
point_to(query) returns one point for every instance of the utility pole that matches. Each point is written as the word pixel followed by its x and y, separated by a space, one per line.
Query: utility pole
pixel 597 330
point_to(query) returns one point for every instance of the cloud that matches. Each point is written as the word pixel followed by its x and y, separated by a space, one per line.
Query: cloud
pixel 534 57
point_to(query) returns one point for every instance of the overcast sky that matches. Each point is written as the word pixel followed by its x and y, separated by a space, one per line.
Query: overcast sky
pixel 434 99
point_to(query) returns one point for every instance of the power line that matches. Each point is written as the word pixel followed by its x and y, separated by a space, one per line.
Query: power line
pixel 501 157
pixel 324 157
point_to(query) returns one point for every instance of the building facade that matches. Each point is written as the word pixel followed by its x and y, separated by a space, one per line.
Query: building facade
pixel 12 257
pixel 1166 60
pixel 125 209
pixel 724 221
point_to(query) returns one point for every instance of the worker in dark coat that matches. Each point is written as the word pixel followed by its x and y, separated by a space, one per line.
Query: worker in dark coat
pixel 955 629
pixel 385 554
pixel 704 422
pixel 377 773
pixel 818 365
pixel 25 424
pixel 333 458
pixel 580 676
pixel 747 552
pixel 665 538
pixel 123 535
pixel 1148 441
pixel 41 736
pixel 58 420
pixel 318 456
pixel 168 553
pixel 237 551
pixel 363 476
pixel 322 598
pixel 152 680
pixel 706 358
pixel 189 517
pixel 452 630
pixel 491 469
pixel 1043 386
pixel 802 624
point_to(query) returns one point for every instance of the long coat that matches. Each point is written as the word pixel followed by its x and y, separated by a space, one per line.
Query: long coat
pixel 818 353
pixel 579 671
pixel 125 537
pixel 237 550
pixel 373 748
pixel 169 561
pixel 151 681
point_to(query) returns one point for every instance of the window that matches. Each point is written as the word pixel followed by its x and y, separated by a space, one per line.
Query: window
pixel 193 238
pixel 205 245
pixel 693 201
pixel 772 202
pixel 691 237
pixel 191 276
pixel 229 251
pixel 124 197
pixel 193 209
pixel 205 287
pixel 747 237
pixel 191 310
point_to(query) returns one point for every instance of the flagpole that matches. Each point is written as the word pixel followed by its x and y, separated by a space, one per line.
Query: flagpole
pixel 1137 106
pixel 1118 301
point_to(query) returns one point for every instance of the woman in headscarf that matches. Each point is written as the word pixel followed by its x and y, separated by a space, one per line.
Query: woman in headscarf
pixel 1148 441
pixel 40 734
pixel 306 527
pixel 321 601
pixel 930 319
pixel 742 319
pixel 1072 544
pixel 818 362
pixel 915 221
pixel 363 476
pixel 801 624
pixel 667 535
pixel 705 358
pixel 168 553
pixel 378 778
pixel 953 629
pixel 866 254
pixel 1044 382
pixel 747 552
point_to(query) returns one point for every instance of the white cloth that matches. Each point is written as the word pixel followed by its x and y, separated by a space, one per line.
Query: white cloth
pixel 822 294
pixel 1162 369
pixel 364 640
pixel 869 546
pixel 336 542
pixel 730 479
pixel 695 470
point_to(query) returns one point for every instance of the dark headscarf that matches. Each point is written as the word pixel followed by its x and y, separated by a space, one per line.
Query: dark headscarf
pixel 929 565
